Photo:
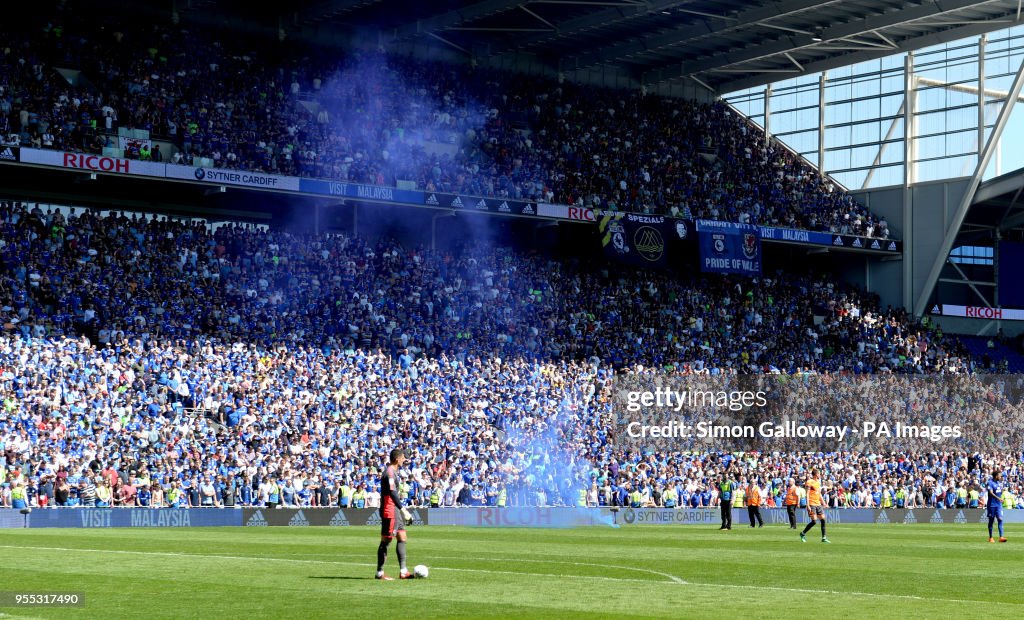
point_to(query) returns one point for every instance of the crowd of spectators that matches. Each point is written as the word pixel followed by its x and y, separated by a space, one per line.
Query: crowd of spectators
pixel 365 117
pixel 145 361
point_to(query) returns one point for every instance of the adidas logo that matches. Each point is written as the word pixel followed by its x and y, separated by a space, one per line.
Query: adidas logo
pixel 298 520
pixel 838 241
pixel 936 517
pixel 374 519
pixel 875 245
pixel 857 243
pixel 883 517
pixel 504 208
pixel 457 202
pixel 339 518
pixel 892 246
pixel 960 518
pixel 432 200
pixel 910 518
pixel 482 204
pixel 257 520
pixel 8 155
pixel 528 210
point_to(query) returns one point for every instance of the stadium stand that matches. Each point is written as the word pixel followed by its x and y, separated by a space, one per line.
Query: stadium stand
pixel 374 119
pixel 240 366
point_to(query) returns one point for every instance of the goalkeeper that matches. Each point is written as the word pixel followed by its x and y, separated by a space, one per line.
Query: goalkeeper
pixel 392 517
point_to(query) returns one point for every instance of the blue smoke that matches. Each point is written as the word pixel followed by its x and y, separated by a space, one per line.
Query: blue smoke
pixel 548 453
pixel 403 125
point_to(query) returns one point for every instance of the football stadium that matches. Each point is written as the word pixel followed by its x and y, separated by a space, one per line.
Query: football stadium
pixel 512 308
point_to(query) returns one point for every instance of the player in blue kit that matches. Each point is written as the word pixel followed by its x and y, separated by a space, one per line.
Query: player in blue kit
pixel 995 504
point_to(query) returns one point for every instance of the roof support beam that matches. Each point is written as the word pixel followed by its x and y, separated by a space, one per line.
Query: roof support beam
pixel 451 19
pixel 840 60
pixel 483 29
pixel 588 2
pixel 331 7
pixel 970 283
pixel 758 70
pixel 784 28
pixel 594 21
pixel 1012 223
pixel 793 60
pixel 884 145
pixel 680 36
pixel 965 202
pixel 708 15
pixel 1009 209
pixel 833 34
pixel 448 43
pixel 966 88
pixel 537 17
pixel 881 36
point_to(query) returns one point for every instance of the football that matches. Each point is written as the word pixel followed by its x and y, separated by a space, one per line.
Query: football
pixel 421 571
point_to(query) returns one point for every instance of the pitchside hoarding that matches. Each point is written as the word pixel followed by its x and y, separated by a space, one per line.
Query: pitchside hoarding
pixel 490 517
pixel 134 517
pixel 779 516
pixel 528 516
pixel 303 517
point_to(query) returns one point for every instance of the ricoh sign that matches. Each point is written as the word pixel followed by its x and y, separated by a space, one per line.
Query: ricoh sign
pixel 88 162
pixel 979 312
pixel 96 163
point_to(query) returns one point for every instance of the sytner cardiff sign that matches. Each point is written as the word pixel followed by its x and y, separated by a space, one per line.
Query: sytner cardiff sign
pixel 389 195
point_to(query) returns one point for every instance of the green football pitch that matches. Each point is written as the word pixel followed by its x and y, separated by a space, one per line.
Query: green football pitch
pixel 906 571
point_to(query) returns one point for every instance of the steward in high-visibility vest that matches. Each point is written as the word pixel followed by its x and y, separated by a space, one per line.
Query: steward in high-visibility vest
pixel 636 499
pixel 975 499
pixel 961 497
pixel 726 489
pixel 19 498
pixel 359 498
pixel 669 497
pixel 435 497
pixel 791 502
pixel 752 495
pixel 1009 501
pixel 581 498
pixel 502 497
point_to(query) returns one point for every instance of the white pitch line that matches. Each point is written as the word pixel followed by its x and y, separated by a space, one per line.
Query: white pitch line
pixel 3 615
pixel 672 578
pixel 249 558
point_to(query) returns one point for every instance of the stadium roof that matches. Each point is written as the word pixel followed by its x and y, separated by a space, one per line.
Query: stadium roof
pixel 723 45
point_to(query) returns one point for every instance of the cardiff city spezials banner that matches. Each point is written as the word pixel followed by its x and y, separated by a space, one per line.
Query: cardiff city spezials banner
pixel 641 240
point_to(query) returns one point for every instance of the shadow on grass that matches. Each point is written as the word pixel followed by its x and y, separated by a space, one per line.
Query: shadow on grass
pixel 340 577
